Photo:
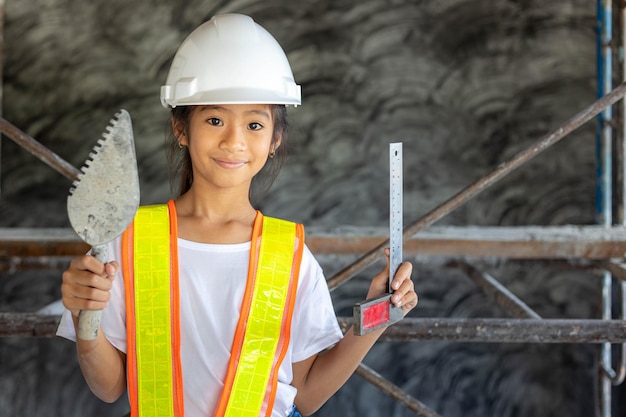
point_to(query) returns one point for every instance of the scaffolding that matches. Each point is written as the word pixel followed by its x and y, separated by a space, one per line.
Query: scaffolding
pixel 599 248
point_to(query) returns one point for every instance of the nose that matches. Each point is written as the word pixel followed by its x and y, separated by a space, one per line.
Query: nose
pixel 233 140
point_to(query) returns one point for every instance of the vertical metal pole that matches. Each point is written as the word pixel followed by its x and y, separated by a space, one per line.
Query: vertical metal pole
pixel 604 189
pixel 620 373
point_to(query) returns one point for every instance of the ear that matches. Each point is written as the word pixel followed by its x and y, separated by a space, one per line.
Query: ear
pixel 178 128
pixel 276 142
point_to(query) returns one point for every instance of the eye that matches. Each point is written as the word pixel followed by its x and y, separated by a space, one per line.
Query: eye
pixel 255 126
pixel 214 121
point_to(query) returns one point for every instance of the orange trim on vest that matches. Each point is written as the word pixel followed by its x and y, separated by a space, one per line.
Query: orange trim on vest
pixel 179 403
pixel 129 289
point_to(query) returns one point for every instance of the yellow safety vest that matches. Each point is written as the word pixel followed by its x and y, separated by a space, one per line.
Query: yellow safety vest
pixel 150 268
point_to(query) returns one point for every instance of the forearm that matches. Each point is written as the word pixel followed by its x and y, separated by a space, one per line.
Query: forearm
pixel 319 377
pixel 331 370
pixel 102 365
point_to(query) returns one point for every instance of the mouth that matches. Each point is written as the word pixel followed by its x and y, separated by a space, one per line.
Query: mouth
pixel 229 163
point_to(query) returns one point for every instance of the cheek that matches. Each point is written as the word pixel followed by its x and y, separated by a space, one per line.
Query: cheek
pixel 262 146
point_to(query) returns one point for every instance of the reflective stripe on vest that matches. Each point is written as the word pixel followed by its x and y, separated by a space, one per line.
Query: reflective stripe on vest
pixel 153 336
pixel 263 330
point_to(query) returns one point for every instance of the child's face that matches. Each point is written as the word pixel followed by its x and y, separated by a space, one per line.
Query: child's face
pixel 230 143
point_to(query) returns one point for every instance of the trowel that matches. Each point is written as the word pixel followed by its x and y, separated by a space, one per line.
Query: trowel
pixel 104 199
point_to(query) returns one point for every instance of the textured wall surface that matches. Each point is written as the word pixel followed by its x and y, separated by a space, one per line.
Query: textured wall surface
pixel 465 84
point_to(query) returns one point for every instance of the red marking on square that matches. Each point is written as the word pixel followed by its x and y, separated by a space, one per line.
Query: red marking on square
pixel 375 315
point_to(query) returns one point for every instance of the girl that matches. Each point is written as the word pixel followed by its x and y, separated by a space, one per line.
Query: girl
pixel 244 324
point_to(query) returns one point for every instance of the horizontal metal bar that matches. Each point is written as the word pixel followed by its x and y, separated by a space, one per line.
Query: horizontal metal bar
pixel 13 264
pixel 413 329
pixel 525 242
pixel 32 242
pixel 28 325
pixel 503 330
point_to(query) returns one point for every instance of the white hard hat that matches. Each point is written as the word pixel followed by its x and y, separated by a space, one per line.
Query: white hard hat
pixel 230 60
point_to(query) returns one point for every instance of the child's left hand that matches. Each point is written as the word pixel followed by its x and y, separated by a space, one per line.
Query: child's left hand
pixel 403 292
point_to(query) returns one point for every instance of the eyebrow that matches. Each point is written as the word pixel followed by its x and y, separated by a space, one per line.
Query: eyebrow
pixel 224 109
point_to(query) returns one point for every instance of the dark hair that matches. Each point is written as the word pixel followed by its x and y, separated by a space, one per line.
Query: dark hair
pixel 179 161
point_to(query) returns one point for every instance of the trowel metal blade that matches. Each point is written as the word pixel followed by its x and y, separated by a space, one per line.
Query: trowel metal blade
pixel 104 199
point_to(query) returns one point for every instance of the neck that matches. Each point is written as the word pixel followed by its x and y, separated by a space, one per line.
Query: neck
pixel 215 217
pixel 216 204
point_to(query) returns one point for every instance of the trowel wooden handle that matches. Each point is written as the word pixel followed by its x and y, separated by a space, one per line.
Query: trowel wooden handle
pixel 89 320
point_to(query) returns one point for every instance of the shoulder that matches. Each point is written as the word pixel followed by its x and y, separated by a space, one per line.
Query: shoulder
pixel 311 278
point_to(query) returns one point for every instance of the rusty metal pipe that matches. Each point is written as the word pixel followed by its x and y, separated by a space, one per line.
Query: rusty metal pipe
pixel 13 264
pixel 501 295
pixel 28 325
pixel 40 151
pixel 482 330
pixel 479 330
pixel 483 183
pixel 394 391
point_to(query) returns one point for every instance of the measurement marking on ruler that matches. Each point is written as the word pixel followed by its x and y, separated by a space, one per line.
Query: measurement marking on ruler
pixel 379 312
pixel 395 209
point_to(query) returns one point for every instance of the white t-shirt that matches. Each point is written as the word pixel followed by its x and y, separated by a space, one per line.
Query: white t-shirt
pixel 212 283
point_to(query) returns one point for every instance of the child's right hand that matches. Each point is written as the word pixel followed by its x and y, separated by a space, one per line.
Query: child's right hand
pixel 87 284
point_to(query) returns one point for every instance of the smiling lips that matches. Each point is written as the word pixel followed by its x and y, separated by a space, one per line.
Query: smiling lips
pixel 229 164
